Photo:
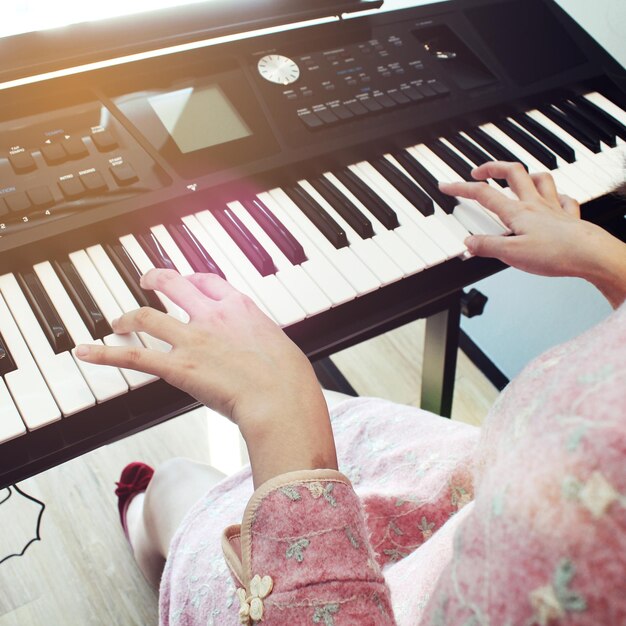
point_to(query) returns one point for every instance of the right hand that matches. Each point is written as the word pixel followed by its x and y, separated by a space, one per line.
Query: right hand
pixel 548 237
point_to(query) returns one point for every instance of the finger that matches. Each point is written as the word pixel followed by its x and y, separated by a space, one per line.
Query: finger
pixel 518 178
pixel 134 358
pixel 177 288
pixel 489 197
pixel 153 322
pixel 493 246
pixel 569 205
pixel 546 187
pixel 212 285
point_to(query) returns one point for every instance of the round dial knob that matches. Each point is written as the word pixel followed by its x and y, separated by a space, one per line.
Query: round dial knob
pixel 279 69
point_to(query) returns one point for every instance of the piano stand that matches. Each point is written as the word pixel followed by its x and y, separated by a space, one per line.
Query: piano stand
pixel 439 365
pixel 440 351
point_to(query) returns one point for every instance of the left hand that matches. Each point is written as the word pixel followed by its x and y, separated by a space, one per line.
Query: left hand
pixel 237 361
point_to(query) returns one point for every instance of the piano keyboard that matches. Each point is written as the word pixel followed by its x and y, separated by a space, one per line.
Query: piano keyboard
pixel 296 250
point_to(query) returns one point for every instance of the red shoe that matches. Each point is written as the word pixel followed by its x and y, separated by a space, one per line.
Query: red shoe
pixel 133 480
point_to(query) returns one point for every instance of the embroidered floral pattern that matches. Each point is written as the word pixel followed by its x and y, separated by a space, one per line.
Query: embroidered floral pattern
pixel 317 490
pixel 295 549
pixel 554 600
pixel 426 528
pixel 324 614
pixel 291 492
pixel 351 538
pixel 251 606
pixel 597 494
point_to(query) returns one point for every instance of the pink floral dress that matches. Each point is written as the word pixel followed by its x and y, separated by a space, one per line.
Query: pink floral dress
pixel 429 521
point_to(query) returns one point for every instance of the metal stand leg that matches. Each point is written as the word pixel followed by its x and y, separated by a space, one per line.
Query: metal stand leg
pixel 440 350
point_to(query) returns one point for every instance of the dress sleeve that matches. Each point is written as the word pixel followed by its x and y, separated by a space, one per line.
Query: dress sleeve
pixel 302 555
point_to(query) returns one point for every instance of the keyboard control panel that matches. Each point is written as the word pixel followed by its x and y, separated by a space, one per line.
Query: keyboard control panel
pixel 72 160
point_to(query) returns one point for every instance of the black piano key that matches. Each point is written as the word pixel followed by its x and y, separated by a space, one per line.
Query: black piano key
pixel 275 230
pixel 428 182
pixel 7 365
pixel 558 117
pixel 44 311
pixel 199 259
pixel 370 200
pixel 601 116
pixel 469 149
pixel 459 165
pixel 473 153
pixel 157 255
pixel 321 220
pixel 556 144
pixel 83 300
pixel 361 225
pixel 246 241
pixel 499 152
pixel 416 196
pixel 587 123
pixel 131 275
pixel 529 143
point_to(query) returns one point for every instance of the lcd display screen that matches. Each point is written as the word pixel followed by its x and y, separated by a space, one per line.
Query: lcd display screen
pixel 199 117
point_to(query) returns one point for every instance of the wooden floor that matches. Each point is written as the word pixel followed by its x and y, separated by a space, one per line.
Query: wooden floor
pixel 82 572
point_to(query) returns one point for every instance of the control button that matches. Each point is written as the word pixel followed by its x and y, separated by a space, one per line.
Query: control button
pixel 22 161
pixel 386 101
pixel 124 174
pixel 413 93
pixel 311 120
pixel 292 96
pixel 327 116
pixel 18 201
pixel 75 147
pixel 387 74
pixel 71 187
pixel 330 87
pixel 41 197
pixel 365 79
pixel 307 92
pixel 352 82
pixel 104 140
pixel 356 107
pixel 4 209
pixel 439 87
pixel 94 181
pixel 398 96
pixel 371 105
pixel 427 91
pixel 342 112
pixel 53 153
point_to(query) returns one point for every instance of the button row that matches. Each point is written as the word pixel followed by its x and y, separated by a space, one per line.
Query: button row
pixel 333 112
pixel 56 152
pixel 72 187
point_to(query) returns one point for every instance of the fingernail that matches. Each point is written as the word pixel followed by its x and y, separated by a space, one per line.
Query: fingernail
pixel 115 322
pixel 470 242
pixel 82 350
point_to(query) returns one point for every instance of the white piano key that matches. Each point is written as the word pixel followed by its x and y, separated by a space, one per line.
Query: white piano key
pixel 317 266
pixel 388 240
pixel 66 383
pixel 122 294
pixel 11 424
pixel 105 382
pixel 437 229
pixel 584 169
pixel 172 250
pixel 282 306
pixel 231 273
pixel 26 384
pixel 608 106
pixel 561 178
pixel 412 234
pixel 367 250
pixel 111 311
pixel 144 265
pixel 348 264
pixel 473 216
pixel 299 284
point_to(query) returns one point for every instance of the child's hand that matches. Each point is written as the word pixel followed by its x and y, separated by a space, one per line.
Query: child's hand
pixel 549 238
pixel 234 359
